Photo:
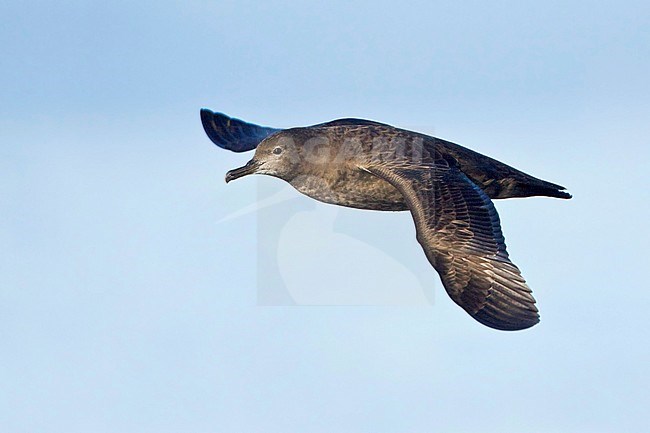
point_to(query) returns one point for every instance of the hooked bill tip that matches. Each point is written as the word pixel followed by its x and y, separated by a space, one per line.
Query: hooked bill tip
pixel 236 173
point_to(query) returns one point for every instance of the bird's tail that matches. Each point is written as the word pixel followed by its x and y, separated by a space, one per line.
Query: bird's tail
pixel 529 186
pixel 499 180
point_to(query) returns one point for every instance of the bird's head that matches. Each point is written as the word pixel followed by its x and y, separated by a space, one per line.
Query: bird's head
pixel 277 155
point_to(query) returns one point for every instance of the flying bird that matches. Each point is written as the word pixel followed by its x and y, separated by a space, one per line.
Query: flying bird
pixel 447 188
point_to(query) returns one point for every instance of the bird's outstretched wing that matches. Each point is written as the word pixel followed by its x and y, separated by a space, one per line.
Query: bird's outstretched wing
pixel 350 121
pixel 233 134
pixel 459 230
pixel 239 136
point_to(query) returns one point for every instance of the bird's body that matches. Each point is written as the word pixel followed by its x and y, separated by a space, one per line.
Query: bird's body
pixel 448 189
pixel 330 170
pixel 348 186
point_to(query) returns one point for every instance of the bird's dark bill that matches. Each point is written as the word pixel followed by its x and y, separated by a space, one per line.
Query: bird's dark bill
pixel 250 168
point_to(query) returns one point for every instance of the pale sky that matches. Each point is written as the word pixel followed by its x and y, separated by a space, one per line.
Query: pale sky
pixel 128 303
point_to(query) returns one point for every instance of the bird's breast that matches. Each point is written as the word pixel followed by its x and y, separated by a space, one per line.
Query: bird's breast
pixel 351 188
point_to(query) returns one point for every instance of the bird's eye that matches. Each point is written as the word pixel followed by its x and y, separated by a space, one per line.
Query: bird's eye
pixel 277 150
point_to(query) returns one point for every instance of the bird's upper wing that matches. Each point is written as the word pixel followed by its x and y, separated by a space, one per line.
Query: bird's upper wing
pixel 459 230
pixel 233 134
pixel 239 136
pixel 350 122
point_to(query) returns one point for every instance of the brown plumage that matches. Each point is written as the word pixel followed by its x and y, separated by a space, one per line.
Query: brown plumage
pixel 448 189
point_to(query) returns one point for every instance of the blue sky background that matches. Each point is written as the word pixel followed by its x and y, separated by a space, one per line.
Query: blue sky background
pixel 126 306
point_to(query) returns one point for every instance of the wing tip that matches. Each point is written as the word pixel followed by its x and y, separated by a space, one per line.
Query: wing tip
pixel 507 323
pixel 233 134
pixel 211 122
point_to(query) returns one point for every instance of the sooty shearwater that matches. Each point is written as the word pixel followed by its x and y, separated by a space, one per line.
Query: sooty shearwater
pixel 446 187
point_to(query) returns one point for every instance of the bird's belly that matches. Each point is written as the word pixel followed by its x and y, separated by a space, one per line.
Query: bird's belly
pixel 358 189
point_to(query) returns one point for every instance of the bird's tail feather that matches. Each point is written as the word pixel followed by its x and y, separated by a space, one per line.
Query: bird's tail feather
pixel 534 188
